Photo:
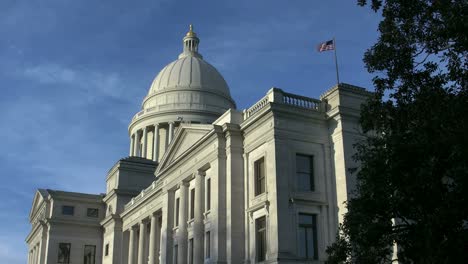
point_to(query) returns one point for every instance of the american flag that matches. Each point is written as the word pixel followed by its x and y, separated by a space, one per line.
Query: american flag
pixel 327 45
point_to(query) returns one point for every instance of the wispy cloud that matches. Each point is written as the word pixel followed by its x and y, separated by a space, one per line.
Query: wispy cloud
pixel 96 83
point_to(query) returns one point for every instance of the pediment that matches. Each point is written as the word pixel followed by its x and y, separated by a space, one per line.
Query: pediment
pixel 186 137
pixel 39 198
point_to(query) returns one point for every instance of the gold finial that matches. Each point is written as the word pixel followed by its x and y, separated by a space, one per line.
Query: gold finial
pixel 191 33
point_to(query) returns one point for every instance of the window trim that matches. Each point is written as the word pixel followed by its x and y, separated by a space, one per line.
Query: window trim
pixel 190 251
pixel 92 216
pixel 69 207
pixel 259 182
pixel 66 261
pixel 94 252
pixel 176 253
pixel 208 244
pixel 177 213
pixel 311 173
pixel 192 203
pixel 314 228
pixel 261 236
pixel 208 194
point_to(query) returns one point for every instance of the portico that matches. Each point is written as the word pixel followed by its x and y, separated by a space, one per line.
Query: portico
pixel 144 240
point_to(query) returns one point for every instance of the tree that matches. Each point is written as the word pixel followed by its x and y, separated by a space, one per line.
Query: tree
pixel 412 184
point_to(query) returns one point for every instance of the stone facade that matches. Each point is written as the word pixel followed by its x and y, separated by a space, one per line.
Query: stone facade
pixel 206 183
pixel 67 218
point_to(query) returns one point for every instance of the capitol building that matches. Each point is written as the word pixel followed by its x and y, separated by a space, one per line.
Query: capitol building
pixel 205 182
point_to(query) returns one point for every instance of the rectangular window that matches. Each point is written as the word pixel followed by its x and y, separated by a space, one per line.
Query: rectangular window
pixel 177 208
pixel 92 212
pixel 192 203
pixel 305 172
pixel 259 174
pixel 64 253
pixel 90 254
pixel 207 245
pixel 260 238
pixel 68 210
pixel 308 236
pixel 106 251
pixel 190 253
pixel 208 194
pixel 176 253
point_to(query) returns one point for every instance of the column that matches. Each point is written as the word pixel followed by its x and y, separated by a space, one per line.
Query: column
pixel 198 226
pixel 171 132
pixel 152 239
pixel 35 255
pixel 135 144
pixel 39 252
pixel 166 227
pixel 164 234
pixel 141 243
pixel 145 140
pixel 156 142
pixel 182 236
pixel 131 145
pixel 131 246
pixel 158 239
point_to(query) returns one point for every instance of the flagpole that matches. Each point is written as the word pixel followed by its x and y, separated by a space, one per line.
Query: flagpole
pixel 336 63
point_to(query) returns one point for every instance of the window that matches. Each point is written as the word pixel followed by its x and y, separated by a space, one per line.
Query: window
pixel 192 203
pixel 64 253
pixel 177 208
pixel 176 253
pixel 207 245
pixel 92 212
pixel 260 239
pixel 308 236
pixel 68 210
pixel 208 194
pixel 305 172
pixel 190 253
pixel 259 173
pixel 90 254
pixel 106 251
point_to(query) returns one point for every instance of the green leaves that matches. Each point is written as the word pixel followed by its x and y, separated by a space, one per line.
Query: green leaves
pixel 414 163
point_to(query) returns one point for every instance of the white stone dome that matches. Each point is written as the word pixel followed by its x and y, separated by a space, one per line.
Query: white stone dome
pixel 188 89
pixel 190 72
pixel 189 83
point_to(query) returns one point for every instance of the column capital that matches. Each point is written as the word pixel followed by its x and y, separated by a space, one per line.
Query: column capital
pixel 201 173
pixel 184 183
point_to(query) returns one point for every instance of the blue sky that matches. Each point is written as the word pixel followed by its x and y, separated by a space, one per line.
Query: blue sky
pixel 73 73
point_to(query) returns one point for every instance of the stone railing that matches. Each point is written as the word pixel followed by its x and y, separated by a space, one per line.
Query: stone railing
pixel 276 95
pixel 256 107
pixel 152 188
pixel 301 101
